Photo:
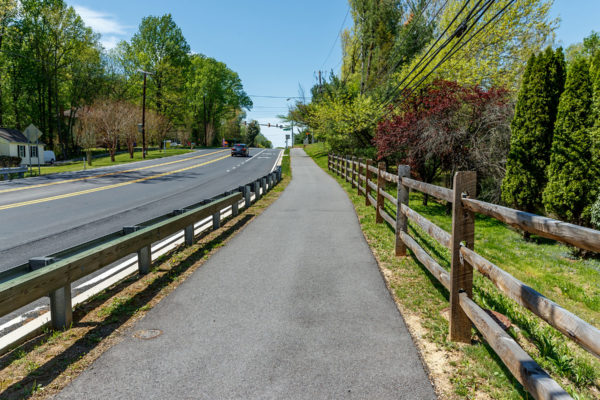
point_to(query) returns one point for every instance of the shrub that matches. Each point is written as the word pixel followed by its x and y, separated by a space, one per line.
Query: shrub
pixel 8 161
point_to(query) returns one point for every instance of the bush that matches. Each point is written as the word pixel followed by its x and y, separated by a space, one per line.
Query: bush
pixel 595 213
pixel 8 161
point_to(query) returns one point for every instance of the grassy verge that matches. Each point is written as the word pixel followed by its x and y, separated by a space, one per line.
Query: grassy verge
pixel 122 158
pixel 40 368
pixel 474 371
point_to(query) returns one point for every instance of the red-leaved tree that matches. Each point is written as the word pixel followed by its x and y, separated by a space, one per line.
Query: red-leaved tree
pixel 446 127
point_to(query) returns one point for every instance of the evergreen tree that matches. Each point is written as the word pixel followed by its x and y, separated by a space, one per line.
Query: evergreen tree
pixel 571 190
pixel 532 130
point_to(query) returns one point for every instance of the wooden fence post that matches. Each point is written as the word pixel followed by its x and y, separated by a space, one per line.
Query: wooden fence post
pixel 461 274
pixel 346 167
pixel 368 178
pixel 353 177
pixel 360 160
pixel 401 220
pixel 380 187
pixel 329 161
pixel 337 165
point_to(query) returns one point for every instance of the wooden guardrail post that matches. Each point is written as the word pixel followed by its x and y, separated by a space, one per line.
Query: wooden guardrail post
pixel 145 253
pixel 360 161
pixel 380 187
pixel 401 219
pixel 263 185
pixel 461 274
pixel 61 308
pixel 216 220
pixel 235 209
pixel 256 190
pixel 246 193
pixel 353 177
pixel 367 179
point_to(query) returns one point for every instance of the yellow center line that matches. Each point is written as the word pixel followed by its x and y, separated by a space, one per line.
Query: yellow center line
pixel 108 173
pixel 116 185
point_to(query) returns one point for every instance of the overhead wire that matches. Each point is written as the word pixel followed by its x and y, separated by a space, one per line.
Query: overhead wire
pixel 427 58
pixel 336 38
pixel 455 49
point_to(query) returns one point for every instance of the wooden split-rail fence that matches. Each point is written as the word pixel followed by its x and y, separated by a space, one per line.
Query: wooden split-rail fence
pixel 370 180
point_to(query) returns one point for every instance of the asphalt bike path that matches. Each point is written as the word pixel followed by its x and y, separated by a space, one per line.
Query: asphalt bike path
pixel 293 307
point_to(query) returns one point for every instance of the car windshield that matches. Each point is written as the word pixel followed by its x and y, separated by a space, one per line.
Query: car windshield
pixel 240 145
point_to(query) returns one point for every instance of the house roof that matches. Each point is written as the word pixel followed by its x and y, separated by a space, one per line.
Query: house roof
pixel 12 135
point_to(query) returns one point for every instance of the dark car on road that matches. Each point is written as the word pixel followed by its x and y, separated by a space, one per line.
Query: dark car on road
pixel 240 149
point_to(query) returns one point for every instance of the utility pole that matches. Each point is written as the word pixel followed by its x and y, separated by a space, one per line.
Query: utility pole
pixel 144 113
pixel 292 133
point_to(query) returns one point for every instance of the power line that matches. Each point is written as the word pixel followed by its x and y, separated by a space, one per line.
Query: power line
pixel 276 97
pixel 388 68
pixel 336 38
pixel 428 57
pixel 459 33
pixel 455 49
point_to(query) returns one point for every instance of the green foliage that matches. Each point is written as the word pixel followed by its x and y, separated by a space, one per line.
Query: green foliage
pixel 214 93
pixel 571 188
pixel 595 213
pixel 252 132
pixel 532 130
pixel 498 54
pixel 159 48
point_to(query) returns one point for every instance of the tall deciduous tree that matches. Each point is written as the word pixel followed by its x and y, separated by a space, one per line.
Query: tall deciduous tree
pixel 532 130
pixel 215 93
pixel 571 190
pixel 497 55
pixel 160 48
pixel 252 132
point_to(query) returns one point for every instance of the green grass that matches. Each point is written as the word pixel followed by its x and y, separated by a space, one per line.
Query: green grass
pixel 105 161
pixel 285 163
pixel 544 265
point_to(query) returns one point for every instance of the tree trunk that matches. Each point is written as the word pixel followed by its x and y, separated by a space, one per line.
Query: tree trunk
pixel 89 157
pixel 112 155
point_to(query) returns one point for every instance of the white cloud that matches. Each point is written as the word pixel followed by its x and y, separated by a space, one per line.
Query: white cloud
pixel 109 42
pixel 100 22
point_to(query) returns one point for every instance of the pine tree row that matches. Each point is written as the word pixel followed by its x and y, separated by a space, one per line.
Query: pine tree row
pixel 553 163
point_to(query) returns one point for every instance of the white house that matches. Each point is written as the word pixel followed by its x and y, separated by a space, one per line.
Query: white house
pixel 13 143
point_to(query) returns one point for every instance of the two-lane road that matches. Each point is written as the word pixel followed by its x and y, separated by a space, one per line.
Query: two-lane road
pixel 43 215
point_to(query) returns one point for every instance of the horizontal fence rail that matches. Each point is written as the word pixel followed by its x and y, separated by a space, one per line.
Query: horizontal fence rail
pixel 464 312
pixel 53 277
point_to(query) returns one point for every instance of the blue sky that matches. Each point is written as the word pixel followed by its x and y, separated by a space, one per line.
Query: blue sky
pixel 275 45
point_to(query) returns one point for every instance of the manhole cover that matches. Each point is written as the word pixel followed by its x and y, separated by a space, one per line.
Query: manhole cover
pixel 148 334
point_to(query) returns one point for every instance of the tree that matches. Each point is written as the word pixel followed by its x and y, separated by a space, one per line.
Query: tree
pixel 158 127
pixel 532 131
pixel 570 190
pixel 496 56
pixel 215 93
pixel 85 131
pixel 160 48
pixel 252 132
pixel 449 127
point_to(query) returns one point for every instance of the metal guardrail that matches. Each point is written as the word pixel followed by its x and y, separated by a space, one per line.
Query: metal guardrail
pixel 6 172
pixel 52 275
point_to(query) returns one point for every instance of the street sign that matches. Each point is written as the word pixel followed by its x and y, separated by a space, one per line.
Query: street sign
pixel 32 133
pixel 287 137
